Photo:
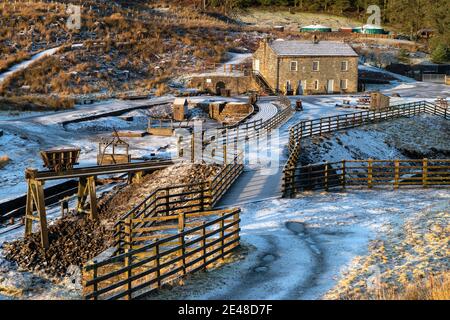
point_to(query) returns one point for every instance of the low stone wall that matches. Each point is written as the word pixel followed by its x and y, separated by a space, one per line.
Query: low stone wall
pixel 165 132
pixel 229 113
pixel 213 83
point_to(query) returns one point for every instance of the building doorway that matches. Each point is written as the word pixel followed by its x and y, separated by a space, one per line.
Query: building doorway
pixel 299 90
pixel 289 91
pixel 220 87
pixel 330 86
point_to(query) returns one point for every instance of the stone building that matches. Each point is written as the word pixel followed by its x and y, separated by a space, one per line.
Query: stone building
pixel 307 67
pixel 180 109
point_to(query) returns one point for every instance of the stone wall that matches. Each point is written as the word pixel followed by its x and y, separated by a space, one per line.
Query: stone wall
pixel 277 72
pixel 229 113
pixel 267 63
pixel 236 84
pixel 329 69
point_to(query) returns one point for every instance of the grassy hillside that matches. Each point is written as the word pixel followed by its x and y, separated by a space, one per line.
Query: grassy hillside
pixel 261 17
pixel 122 48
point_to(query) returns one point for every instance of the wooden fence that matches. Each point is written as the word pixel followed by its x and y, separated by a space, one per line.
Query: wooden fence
pixel 152 260
pixel 309 128
pixel 194 197
pixel 222 144
pixel 369 173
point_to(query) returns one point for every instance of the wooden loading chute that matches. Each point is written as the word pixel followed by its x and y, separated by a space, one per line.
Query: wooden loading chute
pixel 61 167
pixel 113 151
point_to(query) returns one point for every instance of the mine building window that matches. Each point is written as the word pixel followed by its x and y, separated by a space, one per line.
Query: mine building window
pixel 316 84
pixel 294 66
pixel 344 66
pixel 315 66
pixel 343 84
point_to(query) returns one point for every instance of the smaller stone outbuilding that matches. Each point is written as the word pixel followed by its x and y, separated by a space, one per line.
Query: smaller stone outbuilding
pixel 180 109
pixel 223 85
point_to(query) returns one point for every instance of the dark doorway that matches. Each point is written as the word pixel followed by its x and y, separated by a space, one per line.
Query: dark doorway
pixel 220 87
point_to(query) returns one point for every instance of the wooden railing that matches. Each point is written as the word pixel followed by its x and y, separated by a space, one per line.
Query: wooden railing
pixel 194 197
pixel 151 260
pixel 229 140
pixel 309 128
pixel 369 173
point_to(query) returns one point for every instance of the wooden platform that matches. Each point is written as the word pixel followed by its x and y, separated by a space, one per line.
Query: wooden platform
pixel 130 134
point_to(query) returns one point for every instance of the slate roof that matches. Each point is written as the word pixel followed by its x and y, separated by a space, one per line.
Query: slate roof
pixel 308 48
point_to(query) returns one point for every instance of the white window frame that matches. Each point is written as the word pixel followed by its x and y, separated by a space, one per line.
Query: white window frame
pixel 346 65
pixel 346 84
pixel 296 66
pixel 316 85
pixel 256 65
pixel 318 65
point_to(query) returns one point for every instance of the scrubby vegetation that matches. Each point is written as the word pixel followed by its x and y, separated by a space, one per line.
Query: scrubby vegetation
pixel 146 45
pixel 435 287
pixel 35 103
pixel 143 45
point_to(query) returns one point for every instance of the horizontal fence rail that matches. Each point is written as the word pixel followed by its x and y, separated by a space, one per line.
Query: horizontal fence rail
pixel 194 197
pixel 369 173
pixel 309 128
pixel 185 244
pixel 221 144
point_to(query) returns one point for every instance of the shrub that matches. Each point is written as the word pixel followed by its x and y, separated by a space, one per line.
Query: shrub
pixel 440 54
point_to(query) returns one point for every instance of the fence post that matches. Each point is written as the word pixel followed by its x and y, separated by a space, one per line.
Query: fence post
pixel 181 225
pixel 396 173
pixel 203 244
pixel 222 242
pixel 292 173
pixel 128 259
pixel 94 276
pixel 192 148
pixel 158 264
pixel 225 154
pixel 326 177
pixel 369 173
pixel 343 174
pixel 425 173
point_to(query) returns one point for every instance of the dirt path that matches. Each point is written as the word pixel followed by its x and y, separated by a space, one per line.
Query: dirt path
pixel 273 268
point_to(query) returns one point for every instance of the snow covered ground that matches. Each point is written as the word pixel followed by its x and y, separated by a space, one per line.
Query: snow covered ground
pixel 407 87
pixel 24 64
pixel 294 249
pixel 299 248
pixel 25 136
pixel 423 136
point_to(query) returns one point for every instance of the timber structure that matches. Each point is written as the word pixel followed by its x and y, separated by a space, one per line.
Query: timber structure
pixel 35 201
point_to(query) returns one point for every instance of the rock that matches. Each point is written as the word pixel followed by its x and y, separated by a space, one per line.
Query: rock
pixel 72 280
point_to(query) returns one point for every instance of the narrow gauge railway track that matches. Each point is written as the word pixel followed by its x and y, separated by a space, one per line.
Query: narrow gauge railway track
pixel 15 208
